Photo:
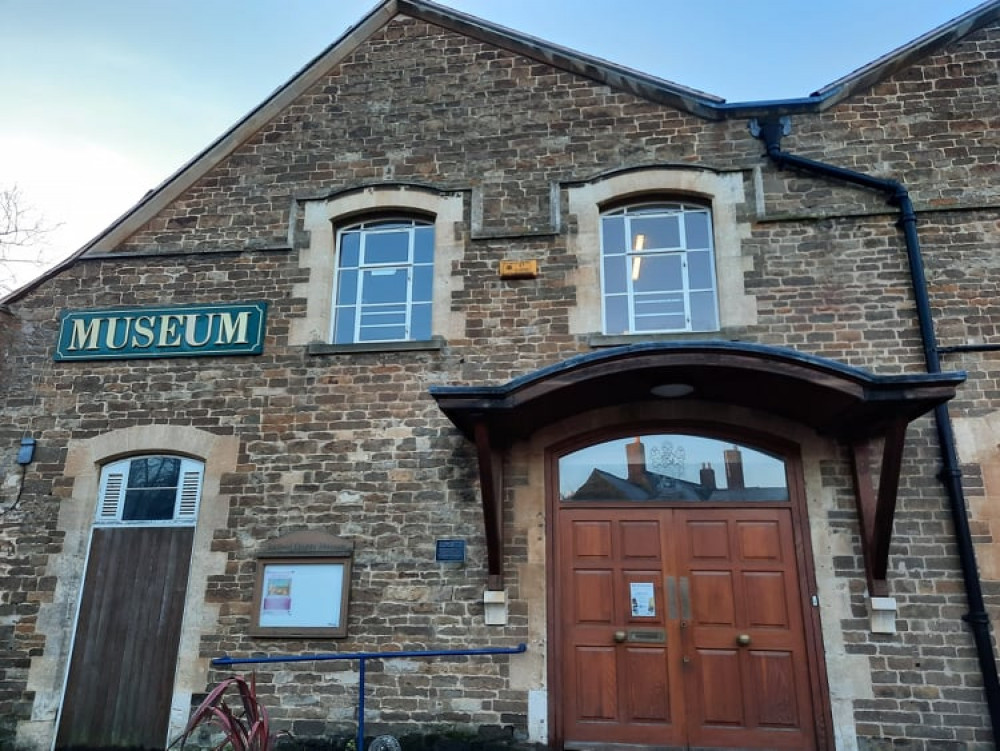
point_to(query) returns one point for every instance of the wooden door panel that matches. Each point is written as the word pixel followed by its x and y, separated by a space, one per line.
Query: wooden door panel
pixel 759 541
pixel 713 598
pixel 640 540
pixel 718 687
pixel 594 597
pixel 591 539
pixel 646 691
pixel 707 540
pixel 122 668
pixel 597 684
pixel 766 599
pixel 772 677
pixel 616 691
pixel 750 671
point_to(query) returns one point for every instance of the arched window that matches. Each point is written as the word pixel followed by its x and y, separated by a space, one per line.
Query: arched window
pixel 671 467
pixel 384 281
pixel 658 269
pixel 150 489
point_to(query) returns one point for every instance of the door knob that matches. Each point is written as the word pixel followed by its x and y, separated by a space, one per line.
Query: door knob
pixel 743 640
pixel 620 636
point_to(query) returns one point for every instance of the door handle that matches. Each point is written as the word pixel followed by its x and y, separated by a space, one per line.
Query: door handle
pixel 743 640
pixel 671 598
pixel 685 598
pixel 620 636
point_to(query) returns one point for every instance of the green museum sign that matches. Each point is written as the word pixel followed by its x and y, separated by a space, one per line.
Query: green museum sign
pixel 169 331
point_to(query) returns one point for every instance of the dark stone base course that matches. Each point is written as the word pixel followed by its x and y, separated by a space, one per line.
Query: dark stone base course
pixel 487 739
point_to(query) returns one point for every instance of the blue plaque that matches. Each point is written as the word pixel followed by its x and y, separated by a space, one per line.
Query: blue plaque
pixel 450 550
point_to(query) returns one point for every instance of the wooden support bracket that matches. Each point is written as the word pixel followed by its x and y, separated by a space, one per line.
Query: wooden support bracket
pixel 876 510
pixel 491 487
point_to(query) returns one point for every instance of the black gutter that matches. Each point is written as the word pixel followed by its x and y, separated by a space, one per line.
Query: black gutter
pixel 969 348
pixel 770 132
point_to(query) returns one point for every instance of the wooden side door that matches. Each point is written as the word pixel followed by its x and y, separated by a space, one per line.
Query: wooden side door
pixel 121 673
pixel 620 686
pixel 747 676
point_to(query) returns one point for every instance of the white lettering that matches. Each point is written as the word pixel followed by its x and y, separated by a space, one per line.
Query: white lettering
pixel 169 337
pixel 230 329
pixel 190 329
pixel 84 334
pixel 143 328
pixel 109 337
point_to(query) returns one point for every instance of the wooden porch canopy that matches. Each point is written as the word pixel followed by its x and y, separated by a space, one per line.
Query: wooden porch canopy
pixel 843 402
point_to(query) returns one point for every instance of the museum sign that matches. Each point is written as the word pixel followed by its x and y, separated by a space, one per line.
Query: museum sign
pixel 168 331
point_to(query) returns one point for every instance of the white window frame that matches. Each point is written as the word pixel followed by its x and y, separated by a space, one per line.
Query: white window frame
pixel 636 253
pixel 114 483
pixel 366 230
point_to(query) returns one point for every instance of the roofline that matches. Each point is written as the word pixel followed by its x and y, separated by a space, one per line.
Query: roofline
pixel 816 363
pixel 698 103
pixel 196 167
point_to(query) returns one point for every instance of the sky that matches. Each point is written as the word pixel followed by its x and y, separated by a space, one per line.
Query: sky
pixel 103 100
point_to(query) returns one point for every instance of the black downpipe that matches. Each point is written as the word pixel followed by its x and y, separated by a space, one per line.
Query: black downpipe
pixel 951 475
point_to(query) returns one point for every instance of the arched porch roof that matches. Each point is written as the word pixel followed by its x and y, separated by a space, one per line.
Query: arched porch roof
pixel 834 399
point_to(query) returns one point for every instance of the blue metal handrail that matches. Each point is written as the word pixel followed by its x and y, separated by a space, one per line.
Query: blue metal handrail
pixel 363 658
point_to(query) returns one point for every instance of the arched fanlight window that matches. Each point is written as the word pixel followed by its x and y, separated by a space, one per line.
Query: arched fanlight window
pixel 667 467
pixel 146 490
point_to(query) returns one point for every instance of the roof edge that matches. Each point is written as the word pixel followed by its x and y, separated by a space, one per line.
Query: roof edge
pixel 196 167
pixel 655 89
pixel 587 360
pixel 597 69
pixel 926 44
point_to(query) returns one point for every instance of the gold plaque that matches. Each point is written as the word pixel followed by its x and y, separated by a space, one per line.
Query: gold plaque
pixel 518 269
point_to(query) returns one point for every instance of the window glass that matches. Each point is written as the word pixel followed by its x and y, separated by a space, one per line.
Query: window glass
pixel 150 489
pixel 386 247
pixel 655 232
pixel 697 230
pixel 615 276
pixel 383 286
pixel 658 270
pixel 671 467
pixel 616 314
pixel 704 316
pixel 384 282
pixel 613 229
pixel 350 249
pixel 423 245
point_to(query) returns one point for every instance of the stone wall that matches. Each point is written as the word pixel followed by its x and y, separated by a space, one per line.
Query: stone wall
pixel 353 444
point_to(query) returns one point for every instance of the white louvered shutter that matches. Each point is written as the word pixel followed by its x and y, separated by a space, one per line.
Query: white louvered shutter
pixel 189 493
pixel 114 483
pixel 112 492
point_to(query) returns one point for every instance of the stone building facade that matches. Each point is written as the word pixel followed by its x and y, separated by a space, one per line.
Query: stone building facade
pixel 359 347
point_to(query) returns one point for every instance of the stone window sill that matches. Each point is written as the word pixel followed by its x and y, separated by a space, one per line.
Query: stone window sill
pixel 434 344
pixel 621 340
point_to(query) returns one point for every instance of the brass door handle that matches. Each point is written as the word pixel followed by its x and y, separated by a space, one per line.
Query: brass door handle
pixel 743 640
pixel 620 636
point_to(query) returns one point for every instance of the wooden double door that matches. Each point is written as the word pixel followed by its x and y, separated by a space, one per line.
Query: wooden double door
pixel 681 628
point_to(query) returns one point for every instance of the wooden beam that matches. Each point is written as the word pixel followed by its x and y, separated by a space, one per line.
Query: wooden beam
pixel 888 488
pixel 491 488
pixel 864 494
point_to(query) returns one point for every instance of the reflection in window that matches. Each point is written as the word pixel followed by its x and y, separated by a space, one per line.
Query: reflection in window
pixel 657 269
pixel 674 467
pixel 385 272
pixel 150 490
